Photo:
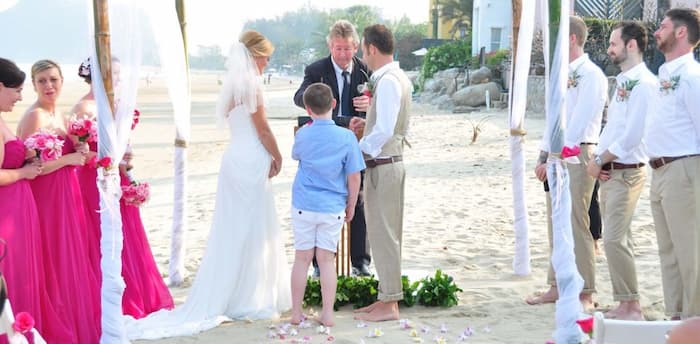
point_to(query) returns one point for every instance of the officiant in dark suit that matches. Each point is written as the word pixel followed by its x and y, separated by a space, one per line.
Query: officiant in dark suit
pixel 344 72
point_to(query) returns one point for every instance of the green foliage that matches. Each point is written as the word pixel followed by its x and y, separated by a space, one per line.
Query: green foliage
pixel 459 12
pixel 597 43
pixel 362 291
pixel 448 55
pixel 438 291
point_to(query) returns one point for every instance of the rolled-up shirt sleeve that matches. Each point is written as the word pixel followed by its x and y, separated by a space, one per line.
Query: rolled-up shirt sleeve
pixel 388 98
pixel 640 106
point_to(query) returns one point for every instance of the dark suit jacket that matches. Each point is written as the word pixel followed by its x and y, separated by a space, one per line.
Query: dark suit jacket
pixel 323 71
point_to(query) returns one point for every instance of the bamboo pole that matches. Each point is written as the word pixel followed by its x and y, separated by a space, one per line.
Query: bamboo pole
pixel 180 6
pixel 517 14
pixel 103 48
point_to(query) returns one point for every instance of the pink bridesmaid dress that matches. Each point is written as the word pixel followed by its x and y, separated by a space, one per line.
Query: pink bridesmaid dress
pixel 21 266
pixel 70 279
pixel 145 291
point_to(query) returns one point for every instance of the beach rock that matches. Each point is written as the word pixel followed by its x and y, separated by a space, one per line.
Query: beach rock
pixel 444 102
pixel 432 85
pixel 475 95
pixel 480 76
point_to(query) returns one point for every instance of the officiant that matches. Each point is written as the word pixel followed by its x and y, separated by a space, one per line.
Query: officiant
pixel 344 72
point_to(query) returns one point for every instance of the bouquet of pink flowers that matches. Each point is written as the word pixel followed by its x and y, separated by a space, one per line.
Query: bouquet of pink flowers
pixel 84 128
pixel 136 193
pixel 46 144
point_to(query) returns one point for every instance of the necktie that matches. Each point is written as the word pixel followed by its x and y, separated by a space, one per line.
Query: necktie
pixel 345 109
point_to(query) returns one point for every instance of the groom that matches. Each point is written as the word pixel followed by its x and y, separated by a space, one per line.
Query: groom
pixel 382 144
pixel 343 72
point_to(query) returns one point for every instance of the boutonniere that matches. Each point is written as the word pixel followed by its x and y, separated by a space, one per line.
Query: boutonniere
pixel 669 85
pixel 624 90
pixel 366 88
pixel 573 79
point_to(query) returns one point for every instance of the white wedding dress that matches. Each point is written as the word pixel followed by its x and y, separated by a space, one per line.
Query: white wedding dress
pixel 244 273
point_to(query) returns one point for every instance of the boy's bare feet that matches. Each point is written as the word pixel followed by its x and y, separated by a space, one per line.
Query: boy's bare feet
pixel 367 309
pixel 297 318
pixel 380 311
pixel 549 296
pixel 626 310
pixel 326 320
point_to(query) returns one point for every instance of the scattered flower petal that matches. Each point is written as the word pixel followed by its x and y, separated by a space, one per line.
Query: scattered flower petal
pixel 418 340
pixel 330 339
pixel 443 328
pixel 439 340
pixel 304 324
pixel 361 324
pixel 376 333
pixel 293 332
pixel 271 334
pixel 405 324
pixel 414 333
pixel 425 329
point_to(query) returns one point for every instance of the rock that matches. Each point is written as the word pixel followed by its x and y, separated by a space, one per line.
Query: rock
pixel 475 95
pixel 480 76
pixel 444 102
pixel 432 85
pixel 465 109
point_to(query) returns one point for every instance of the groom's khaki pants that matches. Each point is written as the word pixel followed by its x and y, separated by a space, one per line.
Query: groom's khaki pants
pixel 581 188
pixel 384 196
pixel 675 206
pixel 619 196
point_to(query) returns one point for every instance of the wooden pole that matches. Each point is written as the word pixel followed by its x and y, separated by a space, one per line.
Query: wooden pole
pixel 517 14
pixel 180 6
pixel 103 48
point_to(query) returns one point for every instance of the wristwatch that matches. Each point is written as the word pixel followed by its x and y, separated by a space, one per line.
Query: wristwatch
pixel 598 160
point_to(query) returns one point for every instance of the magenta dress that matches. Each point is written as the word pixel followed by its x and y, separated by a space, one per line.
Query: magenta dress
pixel 21 267
pixel 145 291
pixel 70 280
pixel 87 176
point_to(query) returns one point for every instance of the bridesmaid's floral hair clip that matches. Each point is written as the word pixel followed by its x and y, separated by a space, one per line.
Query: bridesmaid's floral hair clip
pixel 84 69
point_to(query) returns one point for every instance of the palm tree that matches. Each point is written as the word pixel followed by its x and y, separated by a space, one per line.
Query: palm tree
pixel 459 12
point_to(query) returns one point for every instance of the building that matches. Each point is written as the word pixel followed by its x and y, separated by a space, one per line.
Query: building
pixel 492 22
pixel 437 28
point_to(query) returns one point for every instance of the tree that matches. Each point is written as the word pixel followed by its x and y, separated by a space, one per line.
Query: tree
pixel 459 12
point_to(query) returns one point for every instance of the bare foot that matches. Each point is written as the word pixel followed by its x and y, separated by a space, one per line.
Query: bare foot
pixel 381 312
pixel 587 302
pixel 549 296
pixel 326 320
pixel 626 310
pixel 630 316
pixel 367 309
pixel 297 318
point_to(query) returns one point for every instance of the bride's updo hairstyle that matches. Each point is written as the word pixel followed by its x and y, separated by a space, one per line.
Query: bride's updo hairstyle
pixel 42 65
pixel 256 43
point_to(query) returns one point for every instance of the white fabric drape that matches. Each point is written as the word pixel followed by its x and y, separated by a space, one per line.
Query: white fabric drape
pixel 569 281
pixel 166 30
pixel 113 133
pixel 518 99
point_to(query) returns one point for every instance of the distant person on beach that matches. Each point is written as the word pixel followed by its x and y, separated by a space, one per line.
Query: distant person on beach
pixel 619 162
pixel 672 140
pixel 586 96
pixel 324 195
pixel 384 137
pixel 343 72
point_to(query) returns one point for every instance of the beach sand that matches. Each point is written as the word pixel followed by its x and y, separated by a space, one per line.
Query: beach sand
pixel 458 217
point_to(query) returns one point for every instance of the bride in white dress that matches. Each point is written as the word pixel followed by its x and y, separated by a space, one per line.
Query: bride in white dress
pixel 244 273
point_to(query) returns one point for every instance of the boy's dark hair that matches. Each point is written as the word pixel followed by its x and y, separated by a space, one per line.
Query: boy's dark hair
pixel 690 18
pixel 632 30
pixel 380 36
pixel 10 75
pixel 319 98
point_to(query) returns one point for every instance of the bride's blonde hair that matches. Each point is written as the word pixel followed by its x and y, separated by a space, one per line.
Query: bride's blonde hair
pixel 256 43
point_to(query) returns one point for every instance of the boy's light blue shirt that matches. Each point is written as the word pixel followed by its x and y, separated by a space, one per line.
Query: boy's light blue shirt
pixel 327 154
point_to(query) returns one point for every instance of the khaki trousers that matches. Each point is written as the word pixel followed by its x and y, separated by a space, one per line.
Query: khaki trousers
pixel 384 198
pixel 675 206
pixel 619 196
pixel 581 189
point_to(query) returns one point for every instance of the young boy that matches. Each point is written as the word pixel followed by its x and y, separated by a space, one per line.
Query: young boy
pixel 324 195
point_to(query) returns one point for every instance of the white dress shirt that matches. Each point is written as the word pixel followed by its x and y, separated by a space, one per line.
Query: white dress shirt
pixel 585 102
pixel 341 84
pixel 387 95
pixel 623 134
pixel 674 130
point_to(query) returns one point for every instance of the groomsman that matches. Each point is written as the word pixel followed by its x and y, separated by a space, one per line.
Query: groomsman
pixel 673 145
pixel 342 71
pixel 619 162
pixel 382 144
pixel 585 101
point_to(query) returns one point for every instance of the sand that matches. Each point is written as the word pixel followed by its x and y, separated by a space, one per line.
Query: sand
pixel 458 217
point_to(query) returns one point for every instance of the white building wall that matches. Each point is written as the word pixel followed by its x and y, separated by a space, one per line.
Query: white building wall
pixel 487 16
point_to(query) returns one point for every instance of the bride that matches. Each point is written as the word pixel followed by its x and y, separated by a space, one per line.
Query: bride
pixel 244 273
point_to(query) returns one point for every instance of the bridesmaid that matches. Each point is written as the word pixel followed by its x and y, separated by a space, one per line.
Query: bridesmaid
pixel 145 290
pixel 71 282
pixel 19 224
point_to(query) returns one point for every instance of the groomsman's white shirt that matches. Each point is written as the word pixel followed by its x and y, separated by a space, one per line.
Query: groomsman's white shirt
pixel 585 102
pixel 674 130
pixel 623 133
pixel 387 94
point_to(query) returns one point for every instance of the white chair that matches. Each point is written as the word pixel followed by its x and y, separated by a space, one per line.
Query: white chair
pixel 611 331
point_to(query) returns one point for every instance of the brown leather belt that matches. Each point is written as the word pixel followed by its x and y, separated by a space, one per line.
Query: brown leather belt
pixel 371 163
pixel 656 163
pixel 618 166
pixel 588 143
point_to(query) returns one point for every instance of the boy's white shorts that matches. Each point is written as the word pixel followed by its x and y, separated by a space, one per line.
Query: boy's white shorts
pixel 312 229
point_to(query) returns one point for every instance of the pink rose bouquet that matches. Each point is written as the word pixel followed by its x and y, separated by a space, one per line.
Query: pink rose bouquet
pixel 24 322
pixel 84 128
pixel 136 193
pixel 46 144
